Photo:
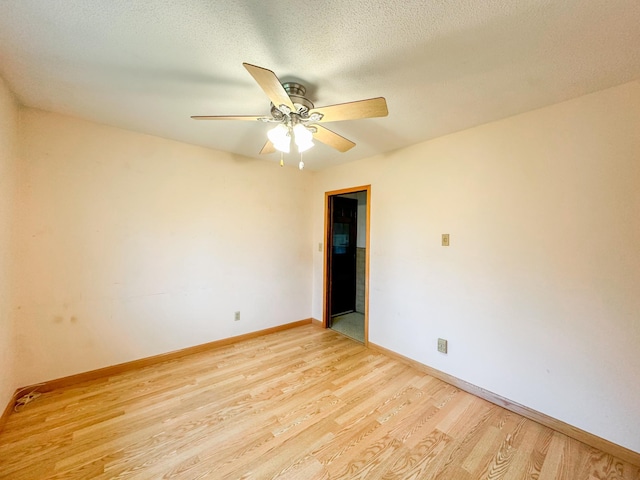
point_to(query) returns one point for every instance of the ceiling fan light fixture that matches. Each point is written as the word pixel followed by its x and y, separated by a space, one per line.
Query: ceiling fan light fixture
pixel 303 137
pixel 297 116
pixel 280 137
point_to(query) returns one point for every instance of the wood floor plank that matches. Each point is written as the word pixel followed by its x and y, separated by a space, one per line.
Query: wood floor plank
pixel 304 403
pixel 417 462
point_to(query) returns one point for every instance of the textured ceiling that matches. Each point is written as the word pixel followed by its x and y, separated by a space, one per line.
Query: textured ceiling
pixel 443 65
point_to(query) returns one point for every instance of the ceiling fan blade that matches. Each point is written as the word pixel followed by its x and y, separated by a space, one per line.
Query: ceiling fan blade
pixel 227 117
pixel 332 139
pixel 270 84
pixel 372 107
pixel 268 148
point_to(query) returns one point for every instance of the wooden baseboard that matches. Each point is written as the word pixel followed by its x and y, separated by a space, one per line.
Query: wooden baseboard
pixel 143 362
pixel 9 408
pixel 316 322
pixel 585 437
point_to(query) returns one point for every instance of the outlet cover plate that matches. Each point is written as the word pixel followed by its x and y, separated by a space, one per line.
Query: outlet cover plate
pixel 442 345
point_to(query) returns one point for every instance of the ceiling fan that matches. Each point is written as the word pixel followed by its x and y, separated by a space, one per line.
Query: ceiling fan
pixel 296 117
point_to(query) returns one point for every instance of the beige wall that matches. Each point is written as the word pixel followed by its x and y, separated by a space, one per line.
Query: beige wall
pixel 8 210
pixel 539 292
pixel 132 245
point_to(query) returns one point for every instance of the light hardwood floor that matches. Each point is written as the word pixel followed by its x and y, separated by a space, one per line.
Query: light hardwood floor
pixel 305 403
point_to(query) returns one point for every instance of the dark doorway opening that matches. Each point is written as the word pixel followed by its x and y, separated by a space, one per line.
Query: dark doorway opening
pixel 346 272
pixel 344 227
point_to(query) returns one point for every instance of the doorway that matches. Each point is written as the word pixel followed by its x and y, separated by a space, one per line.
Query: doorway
pixel 347 262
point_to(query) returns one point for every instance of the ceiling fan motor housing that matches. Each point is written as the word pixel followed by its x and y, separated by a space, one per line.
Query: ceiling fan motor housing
pixel 296 93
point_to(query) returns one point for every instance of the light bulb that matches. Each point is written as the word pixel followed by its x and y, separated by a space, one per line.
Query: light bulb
pixel 303 137
pixel 279 136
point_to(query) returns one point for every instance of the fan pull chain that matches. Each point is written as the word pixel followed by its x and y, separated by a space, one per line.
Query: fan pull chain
pixel 301 164
pixel 281 159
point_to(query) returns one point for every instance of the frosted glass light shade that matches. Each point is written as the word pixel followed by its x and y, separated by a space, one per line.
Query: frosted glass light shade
pixel 279 136
pixel 303 137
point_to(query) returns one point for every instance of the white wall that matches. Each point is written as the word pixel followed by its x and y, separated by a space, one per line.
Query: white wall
pixel 539 292
pixel 8 210
pixel 133 245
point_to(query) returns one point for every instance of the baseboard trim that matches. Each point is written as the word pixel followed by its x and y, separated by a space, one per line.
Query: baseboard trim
pixel 316 322
pixel 101 373
pixel 587 438
pixel 9 408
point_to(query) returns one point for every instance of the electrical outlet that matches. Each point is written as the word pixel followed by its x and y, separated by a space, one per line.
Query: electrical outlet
pixel 442 345
pixel 236 316
pixel 320 246
pixel 445 239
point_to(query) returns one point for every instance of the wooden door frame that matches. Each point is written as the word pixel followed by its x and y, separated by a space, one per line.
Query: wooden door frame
pixel 326 314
